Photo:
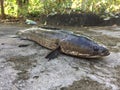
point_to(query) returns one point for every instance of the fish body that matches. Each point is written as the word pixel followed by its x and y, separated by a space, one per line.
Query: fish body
pixel 64 42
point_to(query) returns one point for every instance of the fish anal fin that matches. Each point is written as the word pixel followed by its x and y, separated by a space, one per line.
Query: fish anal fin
pixel 53 54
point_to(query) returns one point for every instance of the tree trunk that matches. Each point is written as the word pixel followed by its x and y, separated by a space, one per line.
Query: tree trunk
pixel 2 8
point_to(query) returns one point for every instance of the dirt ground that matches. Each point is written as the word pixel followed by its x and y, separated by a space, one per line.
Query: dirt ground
pixel 23 66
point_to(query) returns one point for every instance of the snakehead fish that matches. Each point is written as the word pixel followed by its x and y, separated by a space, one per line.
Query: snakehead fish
pixel 62 41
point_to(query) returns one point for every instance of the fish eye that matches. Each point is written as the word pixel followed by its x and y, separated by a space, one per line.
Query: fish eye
pixel 95 48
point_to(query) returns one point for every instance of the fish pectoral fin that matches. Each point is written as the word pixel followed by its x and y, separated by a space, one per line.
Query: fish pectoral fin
pixel 53 54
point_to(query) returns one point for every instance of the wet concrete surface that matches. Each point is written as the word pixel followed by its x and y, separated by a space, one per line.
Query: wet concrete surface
pixel 23 66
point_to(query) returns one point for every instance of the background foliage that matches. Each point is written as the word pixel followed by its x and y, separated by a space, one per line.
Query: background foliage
pixel 50 7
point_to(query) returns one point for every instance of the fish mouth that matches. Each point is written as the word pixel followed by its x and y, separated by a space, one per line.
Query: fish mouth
pixel 99 55
pixel 105 53
pixel 91 55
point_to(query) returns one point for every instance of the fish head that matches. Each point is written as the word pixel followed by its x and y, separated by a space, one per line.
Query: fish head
pixel 88 48
pixel 99 51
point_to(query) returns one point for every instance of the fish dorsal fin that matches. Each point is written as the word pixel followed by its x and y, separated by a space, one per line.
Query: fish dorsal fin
pixel 53 54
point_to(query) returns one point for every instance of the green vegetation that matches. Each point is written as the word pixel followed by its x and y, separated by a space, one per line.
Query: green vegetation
pixel 25 8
